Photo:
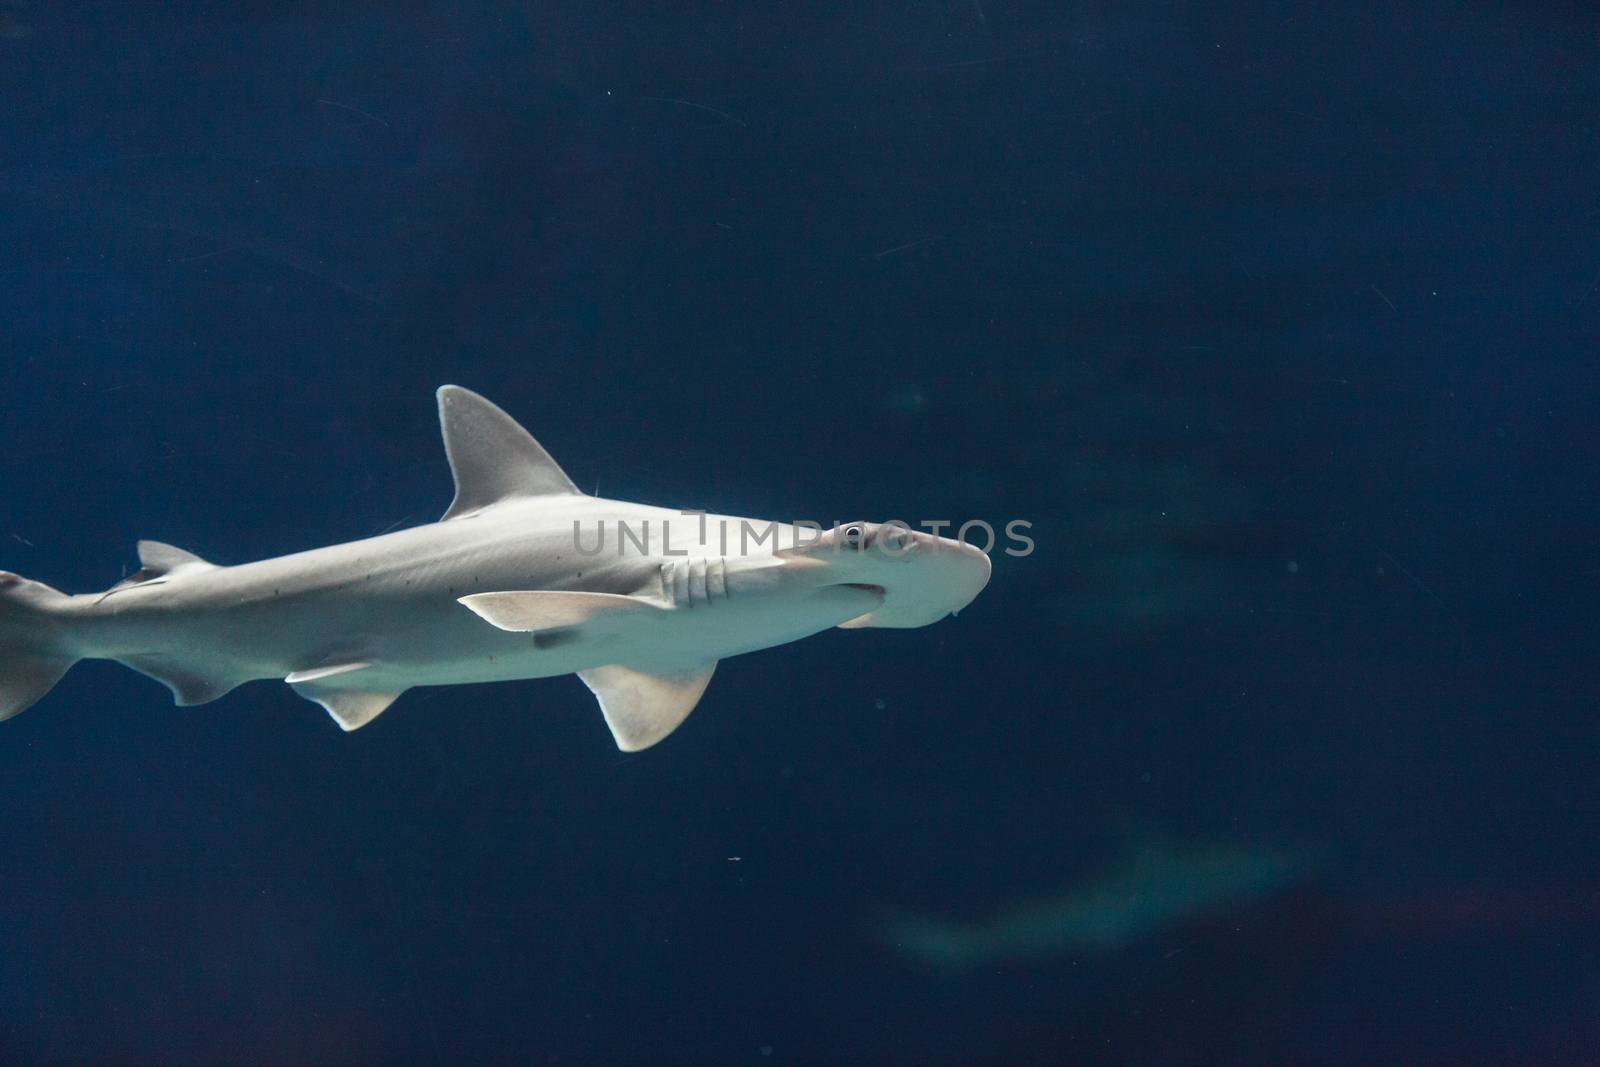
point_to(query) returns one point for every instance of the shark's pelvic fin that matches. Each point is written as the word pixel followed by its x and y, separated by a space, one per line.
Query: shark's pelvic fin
pixel 491 456
pixel 643 707
pixel 529 612
pixel 189 685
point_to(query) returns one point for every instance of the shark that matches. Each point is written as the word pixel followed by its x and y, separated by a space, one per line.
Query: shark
pixel 523 577
pixel 1156 885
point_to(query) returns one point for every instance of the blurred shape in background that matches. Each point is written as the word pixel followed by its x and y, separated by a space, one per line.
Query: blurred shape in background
pixel 1152 887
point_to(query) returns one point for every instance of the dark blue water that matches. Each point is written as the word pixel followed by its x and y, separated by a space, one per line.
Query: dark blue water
pixel 1280 326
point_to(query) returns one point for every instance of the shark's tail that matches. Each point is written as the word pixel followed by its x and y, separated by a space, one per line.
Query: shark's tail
pixel 31 655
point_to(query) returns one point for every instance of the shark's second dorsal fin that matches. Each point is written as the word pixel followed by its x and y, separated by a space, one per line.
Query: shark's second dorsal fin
pixel 492 458
pixel 157 559
pixel 158 562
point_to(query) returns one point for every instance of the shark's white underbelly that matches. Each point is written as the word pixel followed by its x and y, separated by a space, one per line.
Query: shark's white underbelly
pixel 456 651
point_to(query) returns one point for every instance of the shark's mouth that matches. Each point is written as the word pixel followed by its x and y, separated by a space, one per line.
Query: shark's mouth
pixel 877 590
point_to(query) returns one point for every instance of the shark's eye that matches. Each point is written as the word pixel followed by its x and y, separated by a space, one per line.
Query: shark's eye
pixel 852 536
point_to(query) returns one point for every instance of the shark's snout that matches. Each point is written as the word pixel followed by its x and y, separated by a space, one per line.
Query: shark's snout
pixel 924 580
pixel 965 569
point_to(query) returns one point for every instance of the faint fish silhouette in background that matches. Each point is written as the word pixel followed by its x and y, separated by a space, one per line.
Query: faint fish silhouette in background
pixel 1153 887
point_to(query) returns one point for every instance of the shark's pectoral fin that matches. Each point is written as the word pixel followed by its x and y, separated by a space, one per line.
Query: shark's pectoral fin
pixel 190 684
pixel 528 612
pixel 491 456
pixel 316 674
pixel 350 708
pixel 643 707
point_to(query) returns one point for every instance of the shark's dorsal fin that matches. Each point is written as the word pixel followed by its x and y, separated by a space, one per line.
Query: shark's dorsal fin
pixel 491 456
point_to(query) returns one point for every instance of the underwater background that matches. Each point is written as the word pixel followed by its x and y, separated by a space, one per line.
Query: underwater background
pixel 1278 322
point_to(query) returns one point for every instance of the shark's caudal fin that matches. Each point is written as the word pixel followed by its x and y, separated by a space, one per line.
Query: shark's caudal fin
pixel 492 458
pixel 30 659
